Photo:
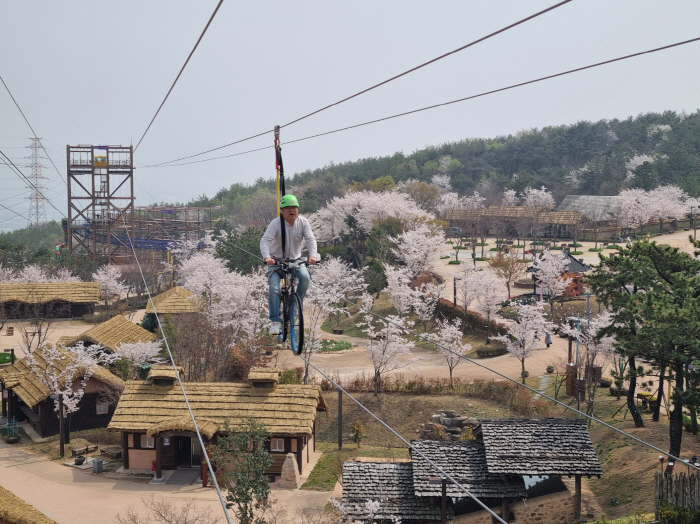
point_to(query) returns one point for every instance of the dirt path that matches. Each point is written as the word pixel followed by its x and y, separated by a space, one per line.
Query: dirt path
pixel 68 495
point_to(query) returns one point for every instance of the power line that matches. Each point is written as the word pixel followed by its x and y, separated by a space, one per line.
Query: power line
pixel 483 38
pixel 505 377
pixel 426 108
pixel 179 379
pixel 181 70
pixel 33 132
pixel 15 212
pixel 19 173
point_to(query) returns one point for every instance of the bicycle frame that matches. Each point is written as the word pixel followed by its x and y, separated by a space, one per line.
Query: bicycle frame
pixel 291 306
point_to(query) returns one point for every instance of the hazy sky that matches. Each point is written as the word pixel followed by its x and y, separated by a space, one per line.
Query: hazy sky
pixel 95 73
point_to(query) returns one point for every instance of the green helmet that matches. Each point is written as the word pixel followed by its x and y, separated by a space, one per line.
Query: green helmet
pixel 289 201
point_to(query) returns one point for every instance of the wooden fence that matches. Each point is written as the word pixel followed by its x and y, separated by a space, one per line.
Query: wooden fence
pixel 680 490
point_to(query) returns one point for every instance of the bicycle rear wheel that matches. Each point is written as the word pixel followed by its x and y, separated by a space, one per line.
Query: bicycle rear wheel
pixel 296 324
pixel 285 318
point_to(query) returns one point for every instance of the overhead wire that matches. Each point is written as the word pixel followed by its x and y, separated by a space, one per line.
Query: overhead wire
pixel 179 379
pixel 502 375
pixel 442 104
pixel 19 173
pixel 33 132
pixel 446 475
pixel 375 86
pixel 180 73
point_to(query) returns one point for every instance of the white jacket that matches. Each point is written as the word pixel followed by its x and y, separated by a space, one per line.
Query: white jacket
pixel 271 241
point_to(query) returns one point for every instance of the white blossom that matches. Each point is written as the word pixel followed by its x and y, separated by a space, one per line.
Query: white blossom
pixel 510 198
pixel 448 339
pixel 418 248
pixel 111 285
pixel 550 269
pixel 64 275
pixel 140 353
pixel 540 198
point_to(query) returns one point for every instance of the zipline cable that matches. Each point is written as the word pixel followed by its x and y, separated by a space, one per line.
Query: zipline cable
pixel 180 73
pixel 33 132
pixel 443 104
pixel 19 173
pixel 502 30
pixel 483 366
pixel 179 380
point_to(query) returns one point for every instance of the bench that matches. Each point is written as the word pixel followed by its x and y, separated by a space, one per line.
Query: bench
pixel 83 451
pixel 115 453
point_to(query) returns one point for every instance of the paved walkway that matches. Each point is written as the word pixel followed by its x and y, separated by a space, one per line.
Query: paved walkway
pixel 544 383
pixel 68 495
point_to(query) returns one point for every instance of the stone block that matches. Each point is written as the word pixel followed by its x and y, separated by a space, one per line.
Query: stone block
pixel 290 473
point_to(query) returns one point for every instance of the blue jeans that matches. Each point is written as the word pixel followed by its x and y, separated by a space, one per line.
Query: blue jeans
pixel 274 279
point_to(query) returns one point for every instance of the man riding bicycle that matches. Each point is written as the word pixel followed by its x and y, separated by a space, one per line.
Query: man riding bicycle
pixel 296 229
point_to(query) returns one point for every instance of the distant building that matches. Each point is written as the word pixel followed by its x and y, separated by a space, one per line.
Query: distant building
pixel 174 301
pixel 597 209
pixel 55 300
pixel 111 333
pixel 517 221
pixel 28 398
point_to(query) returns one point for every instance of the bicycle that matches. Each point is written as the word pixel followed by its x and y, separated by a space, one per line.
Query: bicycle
pixel 290 304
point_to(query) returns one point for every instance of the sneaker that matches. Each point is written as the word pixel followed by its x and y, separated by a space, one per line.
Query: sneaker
pixel 276 328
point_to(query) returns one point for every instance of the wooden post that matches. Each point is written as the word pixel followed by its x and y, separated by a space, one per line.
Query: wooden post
pixel 4 392
pixel 443 508
pixel 12 356
pixel 205 474
pixel 577 499
pixel 61 429
pixel 125 449
pixel 313 432
pixel 340 419
pixel 159 458
pixel 300 448
pixel 505 508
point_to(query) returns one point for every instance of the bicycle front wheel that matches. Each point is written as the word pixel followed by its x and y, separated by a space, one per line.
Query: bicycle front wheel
pixel 296 325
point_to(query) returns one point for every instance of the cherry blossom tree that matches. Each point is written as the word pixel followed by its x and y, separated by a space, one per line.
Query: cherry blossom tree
pixel 7 274
pixel 134 356
pixel 667 202
pixel 32 274
pixel 399 288
pixel 111 285
pixel 468 286
pixel 540 198
pixel 524 334
pixel 65 372
pixel 632 208
pixel 442 182
pixel 64 275
pixel 491 297
pixel 388 349
pixel 448 340
pixel 418 248
pixel 510 198
pixel 425 301
pixel 333 282
pixel 550 270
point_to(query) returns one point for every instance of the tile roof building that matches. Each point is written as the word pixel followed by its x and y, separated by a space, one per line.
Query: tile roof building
pixel 550 446
pixel 390 484
pixel 465 461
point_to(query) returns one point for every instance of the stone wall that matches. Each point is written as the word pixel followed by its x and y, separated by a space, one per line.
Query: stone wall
pixel 447 425
pixel 557 508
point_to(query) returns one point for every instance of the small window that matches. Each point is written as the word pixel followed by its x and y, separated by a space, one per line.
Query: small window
pixel 102 408
pixel 147 442
pixel 277 445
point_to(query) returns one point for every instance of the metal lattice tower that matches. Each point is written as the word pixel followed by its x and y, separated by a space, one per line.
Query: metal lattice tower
pixel 37 211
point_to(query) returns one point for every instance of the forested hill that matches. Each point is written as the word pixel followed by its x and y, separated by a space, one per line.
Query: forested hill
pixel 584 158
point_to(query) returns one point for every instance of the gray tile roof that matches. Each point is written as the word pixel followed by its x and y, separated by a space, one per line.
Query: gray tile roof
pixel 390 483
pixel 465 461
pixel 550 446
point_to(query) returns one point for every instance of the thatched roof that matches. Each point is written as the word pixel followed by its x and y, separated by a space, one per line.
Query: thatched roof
pixel 174 300
pixel 165 371
pixel 516 213
pixel 286 410
pixel 13 509
pixel 115 331
pixel 596 207
pixel 20 379
pixel 32 293
pixel 267 375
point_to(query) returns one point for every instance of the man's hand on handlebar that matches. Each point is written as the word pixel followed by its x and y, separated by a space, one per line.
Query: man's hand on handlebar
pixel 312 260
pixel 270 261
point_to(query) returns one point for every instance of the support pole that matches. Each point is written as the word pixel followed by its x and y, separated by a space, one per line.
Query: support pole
pixel 340 420
pixel 159 460
pixel 577 499
pixel 125 449
pixel 454 291
pixel 61 429
pixel 4 392
pixel 443 509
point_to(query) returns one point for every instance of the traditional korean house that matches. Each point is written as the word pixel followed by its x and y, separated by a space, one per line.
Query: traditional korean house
pixel 111 334
pixel 14 510
pixel 28 398
pixel 157 429
pixel 55 300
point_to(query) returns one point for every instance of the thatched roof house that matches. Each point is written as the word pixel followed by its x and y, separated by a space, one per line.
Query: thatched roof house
pixel 173 301
pixel 14 510
pixel 557 224
pixel 154 409
pixel 112 333
pixel 77 297
pixel 31 397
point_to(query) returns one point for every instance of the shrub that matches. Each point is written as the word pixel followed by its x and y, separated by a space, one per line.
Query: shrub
pixel 443 257
pixel 556 248
pixel 474 321
pixel 576 253
pixel 292 376
pixel 334 345
pixel 455 262
pixel 594 250
pixel 674 515
pixel 357 433
pixel 613 246
pixel 489 352
pixel 575 245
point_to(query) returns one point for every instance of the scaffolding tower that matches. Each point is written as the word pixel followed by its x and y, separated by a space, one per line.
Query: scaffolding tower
pixel 100 202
